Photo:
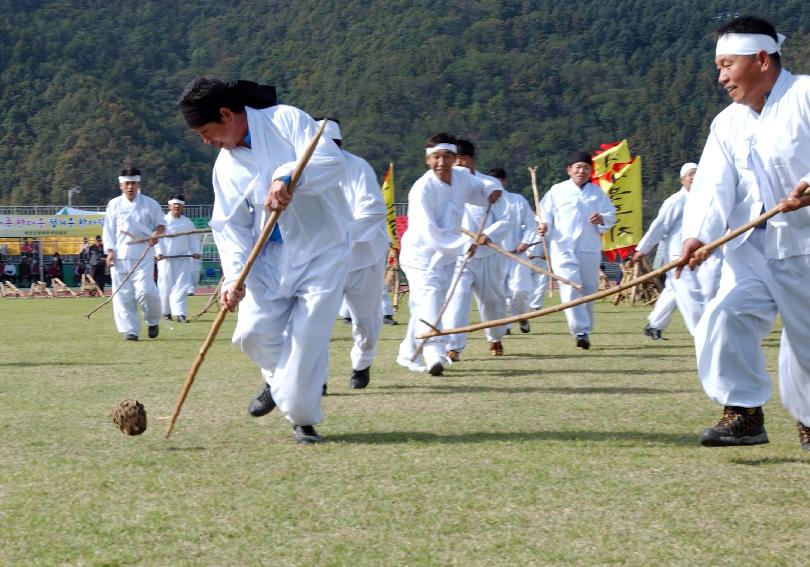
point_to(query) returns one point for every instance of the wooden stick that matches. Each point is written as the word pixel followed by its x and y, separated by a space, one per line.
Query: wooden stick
pixel 703 251
pixel 533 173
pixel 211 300
pixel 526 263
pixel 132 271
pixel 240 281
pixel 174 235
pixel 175 256
pixel 634 291
pixel 397 282
pixel 452 290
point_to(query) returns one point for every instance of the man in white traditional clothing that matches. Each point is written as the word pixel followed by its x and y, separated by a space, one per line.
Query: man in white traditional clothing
pixel 484 273
pixel 756 157
pixel 518 281
pixel 370 243
pixel 693 290
pixel 132 216
pixel 432 244
pixel 292 294
pixel 176 256
pixel 575 214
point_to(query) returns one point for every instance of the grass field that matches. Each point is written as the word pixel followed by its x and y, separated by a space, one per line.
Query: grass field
pixel 548 456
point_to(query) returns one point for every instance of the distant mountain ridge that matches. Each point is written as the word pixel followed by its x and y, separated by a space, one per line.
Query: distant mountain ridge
pixel 84 89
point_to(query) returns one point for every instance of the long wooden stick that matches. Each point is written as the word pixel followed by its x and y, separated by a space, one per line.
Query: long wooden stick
pixel 132 271
pixel 705 250
pixel 523 262
pixel 175 256
pixel 397 280
pixel 452 290
pixel 174 235
pixel 533 173
pixel 240 281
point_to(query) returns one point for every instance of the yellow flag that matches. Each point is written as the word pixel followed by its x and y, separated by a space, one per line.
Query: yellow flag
pixel 391 213
pixel 610 155
pixel 623 186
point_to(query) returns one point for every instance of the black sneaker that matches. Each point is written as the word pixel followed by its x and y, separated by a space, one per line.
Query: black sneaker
pixel 360 378
pixel 306 434
pixel 436 370
pixel 652 332
pixel 738 426
pixel 804 435
pixel 524 326
pixel 583 342
pixel 262 403
pixel 389 320
pixel 130 337
pixel 153 331
pixel 347 320
pixel 167 316
pixel 182 319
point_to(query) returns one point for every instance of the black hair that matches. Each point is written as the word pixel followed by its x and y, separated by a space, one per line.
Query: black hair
pixel 466 148
pixel 129 171
pixel 180 197
pixel 440 138
pixel 751 24
pixel 202 98
pixel 579 156
pixel 201 89
pixel 498 173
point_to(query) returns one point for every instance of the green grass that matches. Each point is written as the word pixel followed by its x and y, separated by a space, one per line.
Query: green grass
pixel 548 456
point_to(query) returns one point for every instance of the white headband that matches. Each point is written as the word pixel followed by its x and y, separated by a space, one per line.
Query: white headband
pixel 332 130
pixel 748 44
pixel 125 178
pixel 176 202
pixel 440 147
pixel 687 167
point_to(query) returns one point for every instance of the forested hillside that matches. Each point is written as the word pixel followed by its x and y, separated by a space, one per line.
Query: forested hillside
pixel 88 85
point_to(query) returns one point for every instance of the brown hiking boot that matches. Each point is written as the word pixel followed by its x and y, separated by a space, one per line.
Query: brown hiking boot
pixel 804 435
pixel 738 426
pixel 496 348
pixel 453 355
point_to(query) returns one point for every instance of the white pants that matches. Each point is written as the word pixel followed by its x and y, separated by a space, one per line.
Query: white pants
pixel 728 339
pixel 519 285
pixel 174 281
pixel 426 292
pixel 387 304
pixel 665 305
pixel 537 297
pixel 139 289
pixel 583 268
pixel 482 277
pixel 363 299
pixel 690 293
pixel 285 322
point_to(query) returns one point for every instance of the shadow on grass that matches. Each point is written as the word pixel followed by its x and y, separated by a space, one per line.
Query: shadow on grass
pixel 628 437
pixel 59 363
pixel 770 461
pixel 512 373
pixel 466 389
pixel 609 353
